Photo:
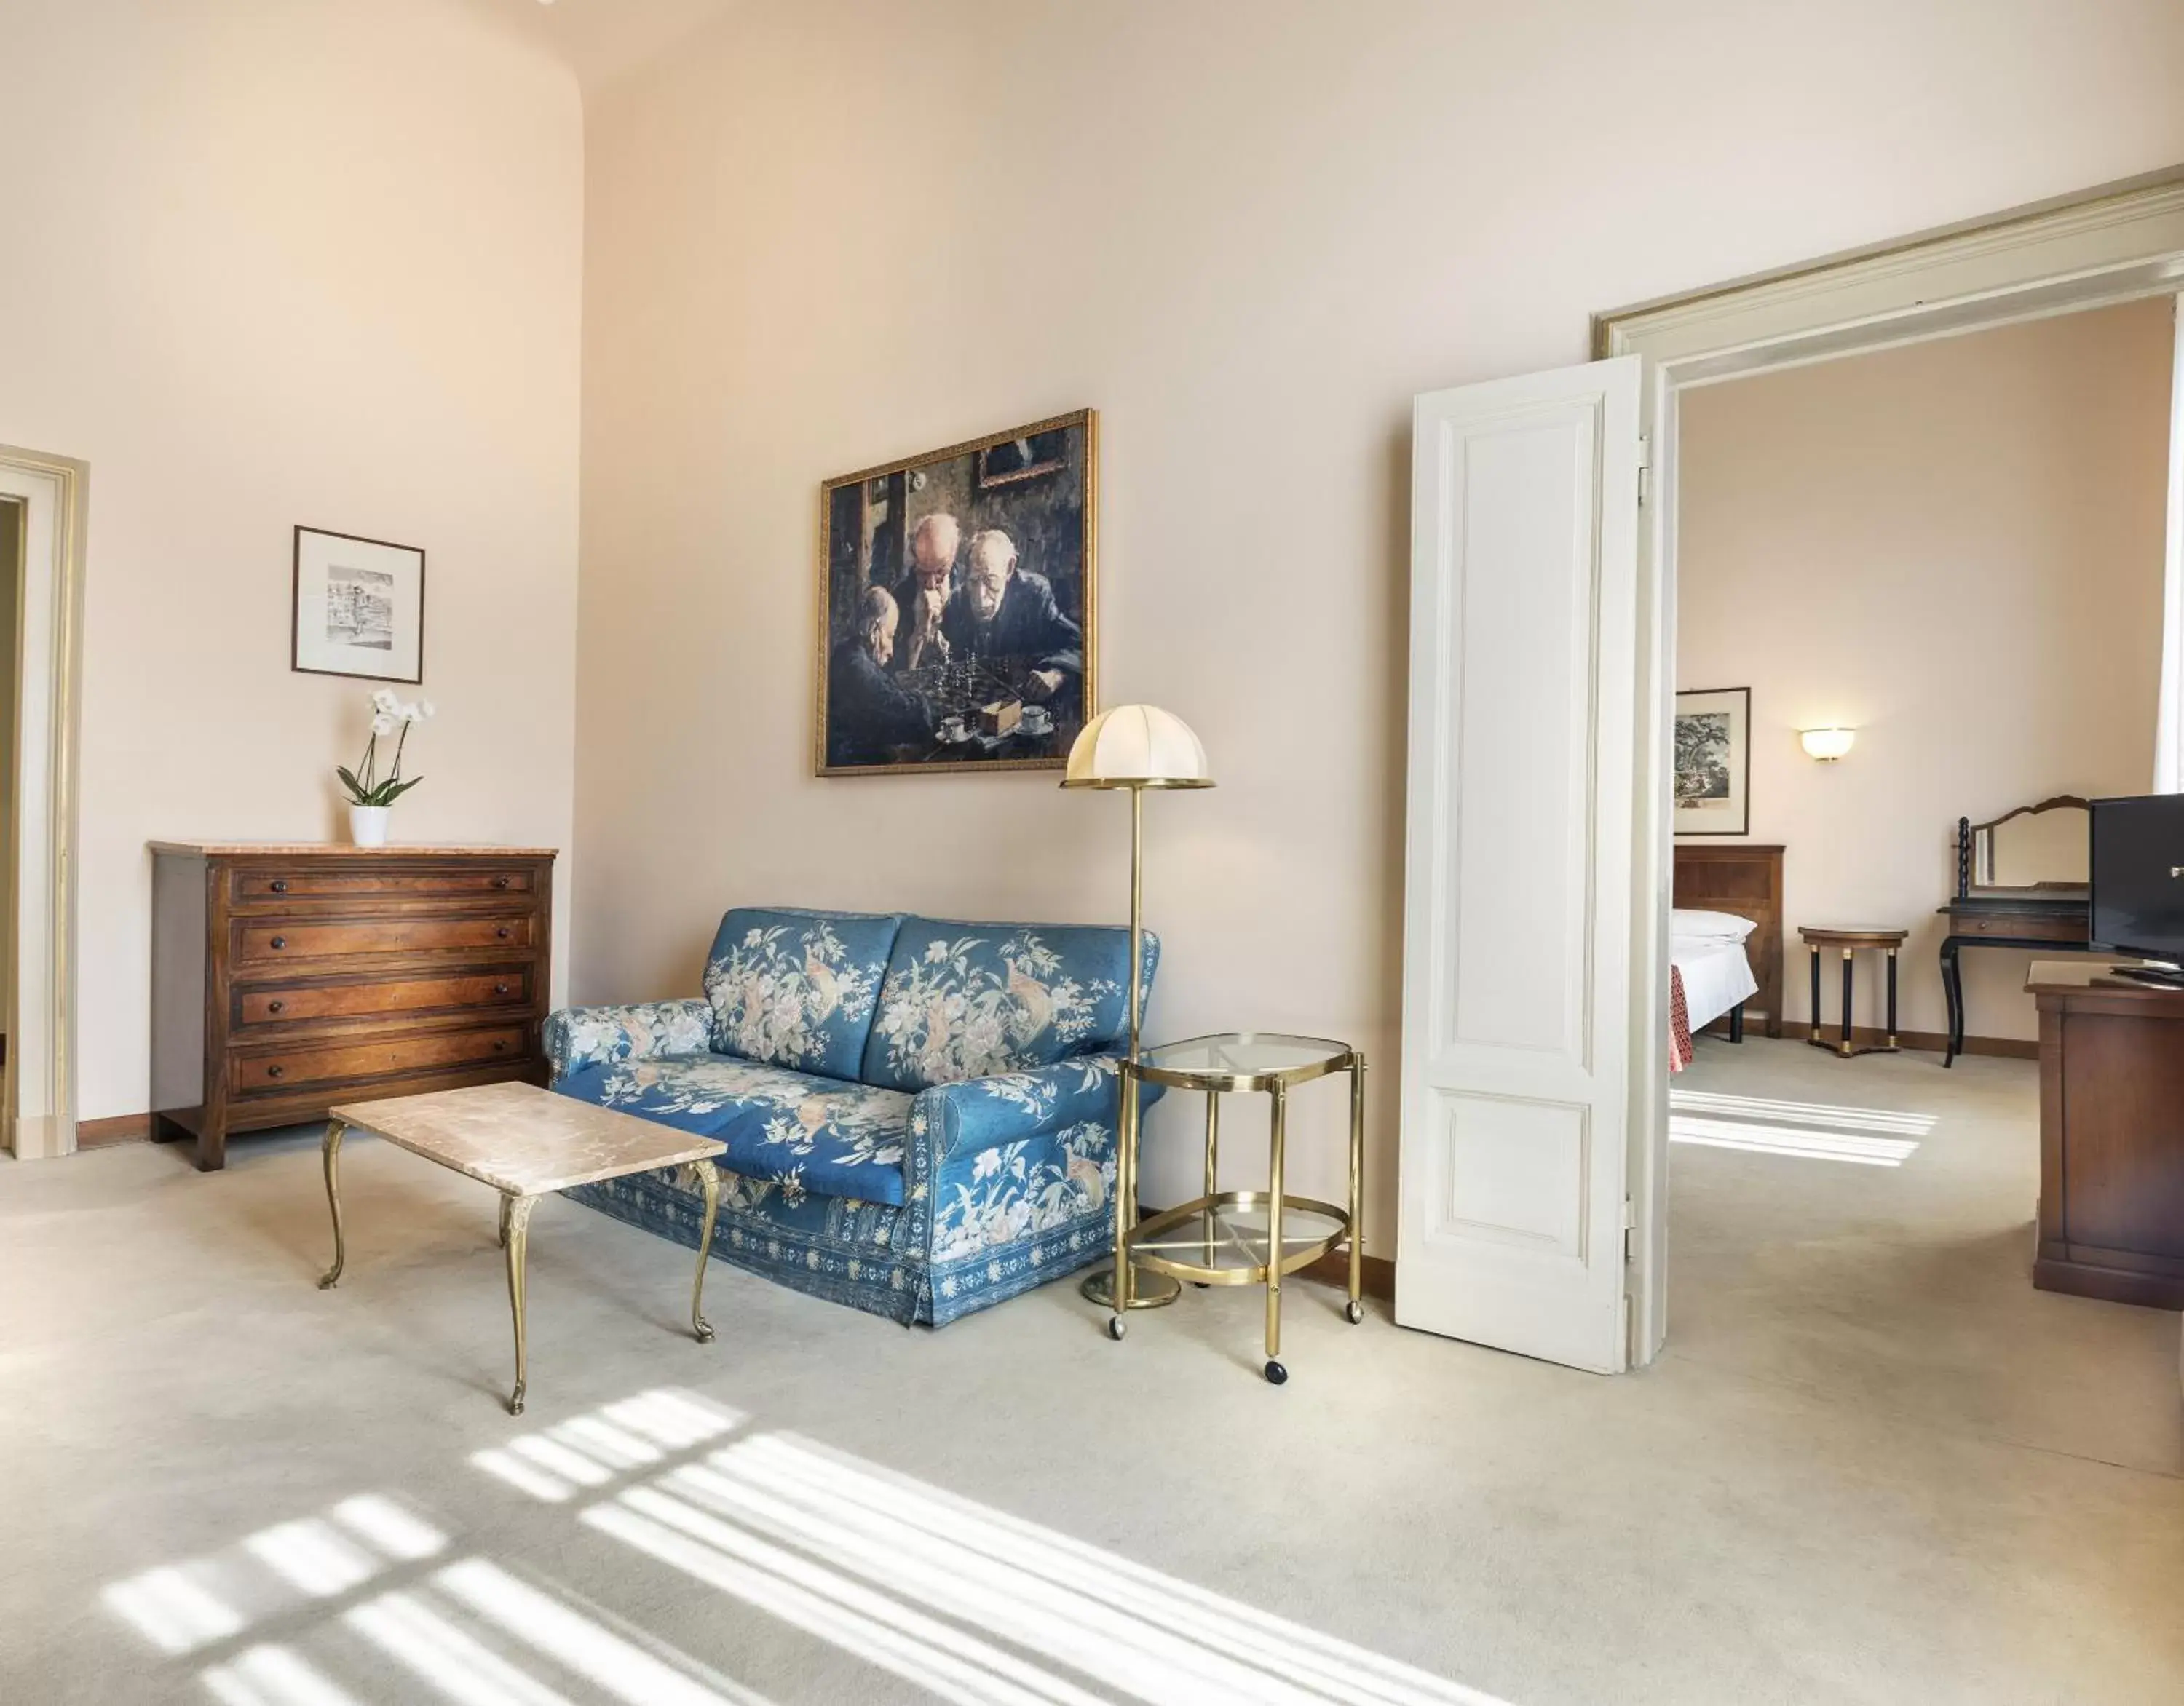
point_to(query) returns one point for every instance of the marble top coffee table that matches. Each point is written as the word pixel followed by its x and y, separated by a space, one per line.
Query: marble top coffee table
pixel 526 1142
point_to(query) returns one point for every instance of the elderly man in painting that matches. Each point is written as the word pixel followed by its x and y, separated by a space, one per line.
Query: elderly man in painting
pixel 1009 615
pixel 869 713
pixel 921 597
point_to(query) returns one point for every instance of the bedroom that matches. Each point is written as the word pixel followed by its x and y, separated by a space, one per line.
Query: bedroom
pixel 1918 590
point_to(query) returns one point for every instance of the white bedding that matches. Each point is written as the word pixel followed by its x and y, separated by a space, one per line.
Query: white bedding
pixel 1717 975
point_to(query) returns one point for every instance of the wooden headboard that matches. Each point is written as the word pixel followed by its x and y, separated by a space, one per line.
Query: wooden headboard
pixel 1744 878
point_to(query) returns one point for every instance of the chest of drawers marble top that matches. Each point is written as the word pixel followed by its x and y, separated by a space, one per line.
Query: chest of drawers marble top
pixel 288 976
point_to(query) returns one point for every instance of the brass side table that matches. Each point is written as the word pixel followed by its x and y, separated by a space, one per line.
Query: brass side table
pixel 1244 1237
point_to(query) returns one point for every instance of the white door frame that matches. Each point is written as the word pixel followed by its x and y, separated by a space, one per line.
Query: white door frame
pixel 2115 244
pixel 41 1051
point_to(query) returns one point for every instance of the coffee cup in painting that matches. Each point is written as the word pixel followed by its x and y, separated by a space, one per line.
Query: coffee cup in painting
pixel 1037 720
pixel 953 732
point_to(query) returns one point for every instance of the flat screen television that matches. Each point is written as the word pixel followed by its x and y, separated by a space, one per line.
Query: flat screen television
pixel 2138 876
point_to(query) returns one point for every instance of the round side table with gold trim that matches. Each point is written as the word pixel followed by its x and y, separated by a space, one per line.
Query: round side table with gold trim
pixel 1247 1237
pixel 1817 937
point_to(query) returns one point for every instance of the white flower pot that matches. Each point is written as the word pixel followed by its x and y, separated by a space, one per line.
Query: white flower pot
pixel 367 825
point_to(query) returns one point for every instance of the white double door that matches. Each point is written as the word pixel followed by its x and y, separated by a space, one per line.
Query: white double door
pixel 1519 1002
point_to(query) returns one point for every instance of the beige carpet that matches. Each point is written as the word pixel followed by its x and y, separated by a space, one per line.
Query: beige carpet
pixel 1874 1466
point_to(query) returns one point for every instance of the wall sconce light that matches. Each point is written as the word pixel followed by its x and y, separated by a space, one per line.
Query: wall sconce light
pixel 1827 745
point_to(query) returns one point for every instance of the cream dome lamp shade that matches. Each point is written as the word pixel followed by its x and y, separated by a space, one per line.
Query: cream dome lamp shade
pixel 1137 747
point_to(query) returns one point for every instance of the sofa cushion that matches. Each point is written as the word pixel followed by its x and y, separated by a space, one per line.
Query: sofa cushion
pixel 812 1134
pixel 797 988
pixel 966 1000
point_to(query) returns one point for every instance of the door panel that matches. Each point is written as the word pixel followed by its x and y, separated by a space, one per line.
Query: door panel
pixel 1517 903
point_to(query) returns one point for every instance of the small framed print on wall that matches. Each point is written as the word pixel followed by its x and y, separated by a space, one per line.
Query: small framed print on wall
pixel 359 608
pixel 1713 762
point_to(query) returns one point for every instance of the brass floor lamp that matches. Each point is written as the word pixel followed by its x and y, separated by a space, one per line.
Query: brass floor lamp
pixel 1134 747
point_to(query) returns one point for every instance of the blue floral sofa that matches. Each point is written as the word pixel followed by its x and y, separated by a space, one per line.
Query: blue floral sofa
pixel 920 1114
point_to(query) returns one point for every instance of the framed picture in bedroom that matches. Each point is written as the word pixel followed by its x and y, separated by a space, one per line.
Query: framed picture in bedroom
pixel 958 598
pixel 357 608
pixel 1713 762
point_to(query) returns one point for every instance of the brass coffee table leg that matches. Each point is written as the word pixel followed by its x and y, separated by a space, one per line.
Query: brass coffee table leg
pixel 329 1154
pixel 1355 1311
pixel 1275 1371
pixel 516 1212
pixel 709 1181
pixel 505 1202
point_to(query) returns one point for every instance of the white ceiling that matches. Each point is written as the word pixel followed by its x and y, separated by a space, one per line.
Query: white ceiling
pixel 600 39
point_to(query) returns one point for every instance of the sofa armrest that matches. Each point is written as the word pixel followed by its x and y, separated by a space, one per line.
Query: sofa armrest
pixel 580 1037
pixel 974 1115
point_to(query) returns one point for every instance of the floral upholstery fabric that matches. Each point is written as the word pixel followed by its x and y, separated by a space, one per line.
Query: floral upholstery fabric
pixel 976 1115
pixel 835 1248
pixel 1011 1219
pixel 968 1000
pixel 808 1135
pixel 797 988
pixel 581 1036
pixel 974 1158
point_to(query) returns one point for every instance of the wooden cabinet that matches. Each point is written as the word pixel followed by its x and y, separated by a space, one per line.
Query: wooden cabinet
pixel 2111 1137
pixel 286 979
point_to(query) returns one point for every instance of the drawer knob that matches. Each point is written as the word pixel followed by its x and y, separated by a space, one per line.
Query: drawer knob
pixel 500 989
pixel 279 941
pixel 279 885
pixel 276 1007
pixel 500 1045
pixel 502 932
pixel 500 882
pixel 274 1071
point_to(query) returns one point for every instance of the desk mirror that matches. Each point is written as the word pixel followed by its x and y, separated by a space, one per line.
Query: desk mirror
pixel 2040 851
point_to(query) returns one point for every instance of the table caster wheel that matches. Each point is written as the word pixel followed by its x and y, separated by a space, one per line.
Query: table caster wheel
pixel 1115 1327
pixel 1355 1310
pixel 1276 1374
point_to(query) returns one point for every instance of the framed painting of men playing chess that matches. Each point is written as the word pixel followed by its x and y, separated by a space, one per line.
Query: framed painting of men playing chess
pixel 956 597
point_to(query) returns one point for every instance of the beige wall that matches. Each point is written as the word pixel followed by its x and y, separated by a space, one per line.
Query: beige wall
pixel 281 261
pixel 1956 549
pixel 825 234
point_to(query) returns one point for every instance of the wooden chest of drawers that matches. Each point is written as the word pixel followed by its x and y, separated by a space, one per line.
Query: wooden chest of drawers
pixel 286 979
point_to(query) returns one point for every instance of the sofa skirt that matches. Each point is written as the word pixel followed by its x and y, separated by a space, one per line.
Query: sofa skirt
pixel 847 1251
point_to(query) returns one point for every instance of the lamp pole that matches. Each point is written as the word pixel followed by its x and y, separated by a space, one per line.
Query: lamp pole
pixel 1126 1123
pixel 1123 1289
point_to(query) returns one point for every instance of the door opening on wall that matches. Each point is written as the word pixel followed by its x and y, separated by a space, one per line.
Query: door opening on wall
pixel 12 522
pixel 1545 1196
pixel 44 512
pixel 1931 578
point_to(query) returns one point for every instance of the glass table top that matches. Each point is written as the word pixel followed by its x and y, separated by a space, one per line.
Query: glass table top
pixel 1245 1054
pixel 1234 1236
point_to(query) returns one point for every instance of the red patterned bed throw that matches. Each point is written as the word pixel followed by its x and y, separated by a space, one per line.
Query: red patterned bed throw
pixel 1680 1022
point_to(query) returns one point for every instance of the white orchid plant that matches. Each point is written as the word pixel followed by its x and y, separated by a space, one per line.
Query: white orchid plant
pixel 366 786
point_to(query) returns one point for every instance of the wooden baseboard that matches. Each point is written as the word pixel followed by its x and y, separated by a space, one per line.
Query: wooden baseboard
pixel 1864 1035
pixel 1935 1041
pixel 121 1128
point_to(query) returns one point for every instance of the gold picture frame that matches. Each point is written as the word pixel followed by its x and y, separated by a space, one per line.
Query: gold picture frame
pixel 942 675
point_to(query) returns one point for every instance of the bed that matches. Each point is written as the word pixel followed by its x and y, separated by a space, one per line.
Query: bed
pixel 1725 941
pixel 1709 978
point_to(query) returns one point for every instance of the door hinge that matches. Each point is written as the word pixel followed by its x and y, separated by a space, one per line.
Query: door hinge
pixel 1645 468
pixel 1630 1228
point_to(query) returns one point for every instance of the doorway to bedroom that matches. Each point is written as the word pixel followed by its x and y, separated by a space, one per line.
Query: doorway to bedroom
pixel 1919 591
